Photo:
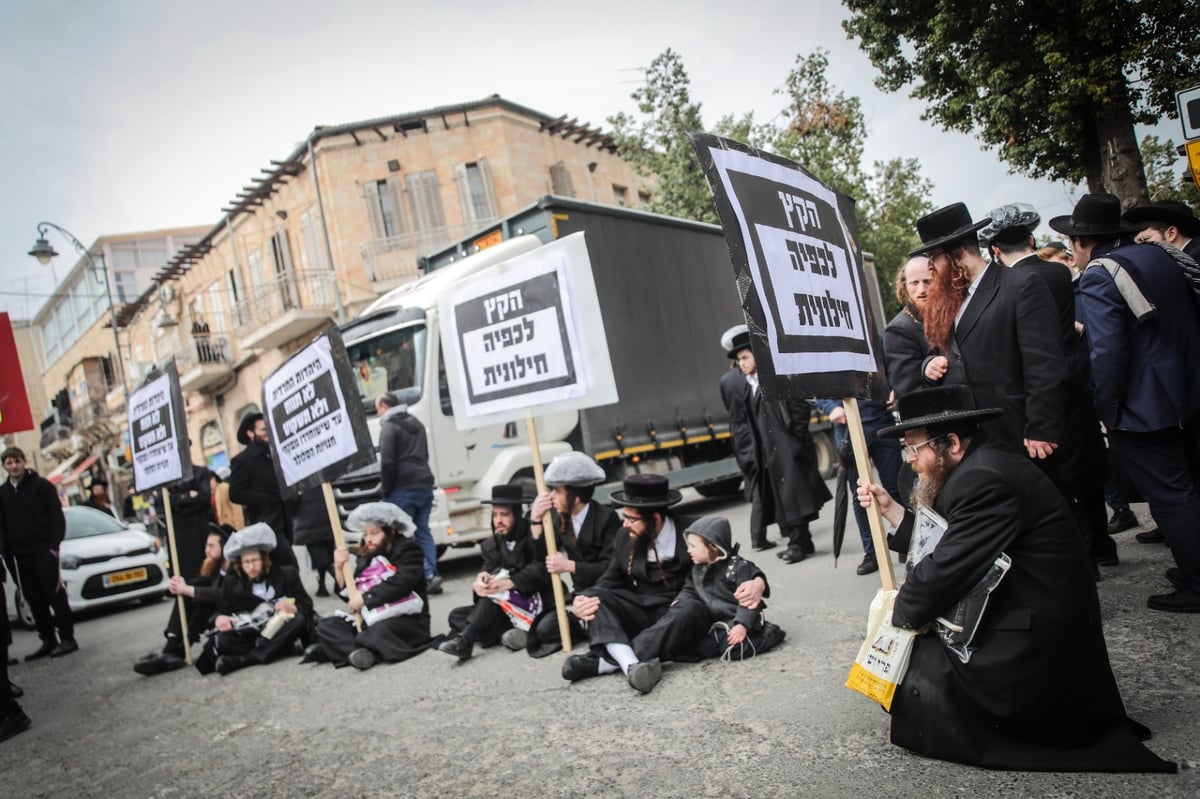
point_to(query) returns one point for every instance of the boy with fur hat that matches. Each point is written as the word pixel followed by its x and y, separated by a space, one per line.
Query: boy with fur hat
pixel 390 574
pixel 247 633
pixel 514 585
pixel 707 620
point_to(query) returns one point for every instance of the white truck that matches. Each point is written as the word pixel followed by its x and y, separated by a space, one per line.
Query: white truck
pixel 666 291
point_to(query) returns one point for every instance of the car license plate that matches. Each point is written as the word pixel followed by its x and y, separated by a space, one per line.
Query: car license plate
pixel 127 576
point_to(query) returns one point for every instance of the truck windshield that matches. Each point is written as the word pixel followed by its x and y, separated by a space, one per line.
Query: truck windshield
pixel 390 361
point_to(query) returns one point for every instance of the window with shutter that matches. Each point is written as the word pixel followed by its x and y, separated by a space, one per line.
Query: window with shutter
pixel 425 202
pixel 560 180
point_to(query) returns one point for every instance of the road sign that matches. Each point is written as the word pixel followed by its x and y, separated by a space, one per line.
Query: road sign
pixel 1193 156
pixel 1188 101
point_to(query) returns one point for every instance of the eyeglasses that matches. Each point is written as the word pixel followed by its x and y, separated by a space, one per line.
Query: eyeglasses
pixel 632 519
pixel 912 450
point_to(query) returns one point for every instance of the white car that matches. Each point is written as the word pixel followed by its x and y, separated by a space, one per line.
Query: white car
pixel 102 562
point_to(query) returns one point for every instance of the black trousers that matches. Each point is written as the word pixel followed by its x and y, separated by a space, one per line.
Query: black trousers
pixel 42 587
pixel 544 637
pixel 676 633
pixel 8 703
pixel 259 649
pixel 621 616
pixel 484 622
pixel 392 640
pixel 198 615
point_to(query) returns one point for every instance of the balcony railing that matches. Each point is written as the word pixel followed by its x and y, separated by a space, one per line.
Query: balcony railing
pixel 286 307
pixel 395 258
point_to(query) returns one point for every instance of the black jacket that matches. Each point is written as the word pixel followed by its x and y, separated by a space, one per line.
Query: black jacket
pixel 183 504
pixel 592 548
pixel 741 433
pixel 237 596
pixel 791 485
pixel 252 484
pixel 905 350
pixel 31 516
pixel 648 583
pixel 526 561
pixel 408 577
pixel 403 453
pixel 310 523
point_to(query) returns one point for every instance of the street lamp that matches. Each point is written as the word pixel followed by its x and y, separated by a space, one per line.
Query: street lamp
pixel 44 252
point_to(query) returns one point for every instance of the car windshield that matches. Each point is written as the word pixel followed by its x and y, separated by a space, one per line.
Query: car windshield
pixel 391 361
pixel 87 522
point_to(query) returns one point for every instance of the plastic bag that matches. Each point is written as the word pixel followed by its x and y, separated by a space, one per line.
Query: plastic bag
pixel 958 628
pixel 883 657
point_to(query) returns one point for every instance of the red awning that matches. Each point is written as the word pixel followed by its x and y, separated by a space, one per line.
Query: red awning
pixel 56 474
pixel 80 469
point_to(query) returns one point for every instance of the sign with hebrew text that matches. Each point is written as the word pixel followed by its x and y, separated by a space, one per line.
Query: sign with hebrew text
pixel 158 431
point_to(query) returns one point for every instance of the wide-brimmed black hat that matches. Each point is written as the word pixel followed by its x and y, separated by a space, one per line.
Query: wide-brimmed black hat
pixel 946 226
pixel 1095 215
pixel 222 530
pixel 1167 212
pixel 507 494
pixel 246 426
pixel 739 342
pixel 938 406
pixel 645 491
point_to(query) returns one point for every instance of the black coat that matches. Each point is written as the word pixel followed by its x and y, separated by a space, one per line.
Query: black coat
pixel 1038 693
pixel 31 515
pixel 310 524
pixel 790 484
pixel 741 431
pixel 642 581
pixel 252 484
pixel 1009 347
pixel 405 554
pixel 237 596
pixel 905 350
pixel 191 517
pixel 403 453
pixel 592 548
pixel 525 562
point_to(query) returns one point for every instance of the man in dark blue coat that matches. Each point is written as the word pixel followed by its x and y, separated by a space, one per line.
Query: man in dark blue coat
pixel 1143 334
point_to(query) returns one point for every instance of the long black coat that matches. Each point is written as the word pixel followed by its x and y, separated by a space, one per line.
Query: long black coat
pixel 237 597
pixel 525 562
pixel 741 431
pixel 592 548
pixel 1009 346
pixel 252 484
pixel 788 479
pixel 1038 693
pixel 644 582
pixel 191 516
pixel 905 350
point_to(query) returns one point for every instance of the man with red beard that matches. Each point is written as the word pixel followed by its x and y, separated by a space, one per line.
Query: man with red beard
pixel 993 329
pixel 1035 690
pixel 904 346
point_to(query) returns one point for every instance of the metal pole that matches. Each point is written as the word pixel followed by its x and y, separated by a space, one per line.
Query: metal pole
pixel 337 291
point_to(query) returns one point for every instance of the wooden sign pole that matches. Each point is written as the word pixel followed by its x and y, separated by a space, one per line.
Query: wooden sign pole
pixel 339 542
pixel 862 461
pixel 174 552
pixel 560 608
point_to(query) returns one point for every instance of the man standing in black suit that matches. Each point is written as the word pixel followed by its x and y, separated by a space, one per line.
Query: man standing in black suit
pixel 741 434
pixel 254 486
pixel 995 329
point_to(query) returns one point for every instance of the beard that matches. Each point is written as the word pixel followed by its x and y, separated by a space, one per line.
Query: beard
pixel 932 479
pixel 945 297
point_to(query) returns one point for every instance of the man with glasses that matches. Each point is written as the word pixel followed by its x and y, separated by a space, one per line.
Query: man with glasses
pixel 1039 643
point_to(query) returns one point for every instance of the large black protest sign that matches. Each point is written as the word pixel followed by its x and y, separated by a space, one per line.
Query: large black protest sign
pixel 158 431
pixel 798 268
pixel 317 425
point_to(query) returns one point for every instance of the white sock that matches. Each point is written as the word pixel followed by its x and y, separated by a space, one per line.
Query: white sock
pixel 623 654
pixel 606 667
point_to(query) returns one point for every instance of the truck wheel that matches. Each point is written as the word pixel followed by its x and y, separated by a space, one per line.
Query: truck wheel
pixel 826 454
pixel 719 488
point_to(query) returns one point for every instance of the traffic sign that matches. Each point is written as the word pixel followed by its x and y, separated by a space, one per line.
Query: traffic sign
pixel 1193 156
pixel 1188 101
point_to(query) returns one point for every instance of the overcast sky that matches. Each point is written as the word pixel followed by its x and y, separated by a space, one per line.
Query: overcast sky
pixel 130 115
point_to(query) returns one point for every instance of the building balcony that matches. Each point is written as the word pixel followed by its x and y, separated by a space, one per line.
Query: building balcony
pixel 285 308
pixel 391 261
pixel 205 361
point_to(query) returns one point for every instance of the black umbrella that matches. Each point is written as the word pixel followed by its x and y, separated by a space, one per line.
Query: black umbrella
pixel 841 498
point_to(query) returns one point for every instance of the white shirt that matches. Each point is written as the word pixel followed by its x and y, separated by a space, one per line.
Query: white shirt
pixel 263 590
pixel 578 518
pixel 966 300
pixel 664 543
pixel 753 381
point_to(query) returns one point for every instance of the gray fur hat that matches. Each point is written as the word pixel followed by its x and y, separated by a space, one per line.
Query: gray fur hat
pixel 715 530
pixel 384 514
pixel 573 469
pixel 255 536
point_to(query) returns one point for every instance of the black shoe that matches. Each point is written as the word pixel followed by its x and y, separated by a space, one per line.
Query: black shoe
pixel 14 723
pixel 793 554
pixel 763 546
pixel 362 658
pixel 580 667
pixel 158 663
pixel 42 651
pixel 65 647
pixel 1154 536
pixel 515 639
pixel 227 664
pixel 458 646
pixel 1121 521
pixel 772 636
pixel 1183 600
pixel 868 566
pixel 435 585
pixel 1175 575
pixel 17 691
pixel 1108 560
pixel 313 653
pixel 322 591
pixel 644 676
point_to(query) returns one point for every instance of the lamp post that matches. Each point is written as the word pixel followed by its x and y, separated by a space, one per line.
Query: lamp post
pixel 44 252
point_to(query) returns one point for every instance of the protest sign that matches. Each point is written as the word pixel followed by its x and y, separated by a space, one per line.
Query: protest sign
pixel 158 431
pixel 15 416
pixel 315 419
pixel 525 333
pixel 798 267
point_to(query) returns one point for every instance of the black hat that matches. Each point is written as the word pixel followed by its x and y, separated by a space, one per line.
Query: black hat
pixel 506 495
pixel 246 426
pixel 938 406
pixel 739 342
pixel 222 530
pixel 1095 215
pixel 645 491
pixel 946 226
pixel 1168 212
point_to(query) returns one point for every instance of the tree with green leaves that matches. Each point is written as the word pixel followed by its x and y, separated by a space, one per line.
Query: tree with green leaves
pixel 1167 175
pixel 1055 86
pixel 896 197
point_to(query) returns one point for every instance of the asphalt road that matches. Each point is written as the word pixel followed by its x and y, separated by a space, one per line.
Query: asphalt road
pixel 504 725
